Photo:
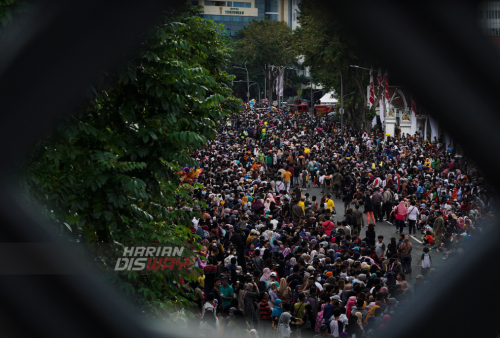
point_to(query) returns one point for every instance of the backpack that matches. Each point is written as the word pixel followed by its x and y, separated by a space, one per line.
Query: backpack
pixel 363 315
pixel 340 232
pixel 255 265
pixel 353 319
pixel 254 241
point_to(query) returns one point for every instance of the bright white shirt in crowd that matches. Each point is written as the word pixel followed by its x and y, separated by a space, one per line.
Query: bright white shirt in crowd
pixel 412 213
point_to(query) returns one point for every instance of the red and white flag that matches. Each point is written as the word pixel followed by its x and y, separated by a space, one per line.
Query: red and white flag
pixel 372 94
pixel 386 85
pixel 413 115
pixel 380 81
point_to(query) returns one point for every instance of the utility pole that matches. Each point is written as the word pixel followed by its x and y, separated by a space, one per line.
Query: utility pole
pixel 265 83
pixel 248 84
pixel 248 80
pixel 312 100
pixel 341 110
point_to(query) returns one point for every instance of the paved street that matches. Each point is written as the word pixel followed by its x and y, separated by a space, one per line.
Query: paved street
pixel 388 230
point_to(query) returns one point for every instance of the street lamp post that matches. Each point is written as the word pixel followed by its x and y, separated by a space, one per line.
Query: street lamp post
pixel 259 89
pixel 253 82
pixel 248 84
pixel 312 96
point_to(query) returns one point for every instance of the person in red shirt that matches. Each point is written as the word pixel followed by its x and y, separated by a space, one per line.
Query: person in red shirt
pixel 428 240
pixel 328 225
pixel 265 315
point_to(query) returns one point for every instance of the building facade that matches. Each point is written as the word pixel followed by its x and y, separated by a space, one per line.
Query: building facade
pixel 237 14
pixel 489 17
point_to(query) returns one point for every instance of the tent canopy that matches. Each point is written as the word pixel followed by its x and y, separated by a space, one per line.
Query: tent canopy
pixel 328 98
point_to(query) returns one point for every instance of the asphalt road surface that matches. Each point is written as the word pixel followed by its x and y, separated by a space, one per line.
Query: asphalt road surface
pixel 388 230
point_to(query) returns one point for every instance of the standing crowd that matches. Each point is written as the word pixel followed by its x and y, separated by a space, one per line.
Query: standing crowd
pixel 281 263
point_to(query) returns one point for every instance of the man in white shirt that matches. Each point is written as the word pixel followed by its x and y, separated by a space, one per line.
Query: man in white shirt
pixel 412 218
pixel 321 179
pixel 274 222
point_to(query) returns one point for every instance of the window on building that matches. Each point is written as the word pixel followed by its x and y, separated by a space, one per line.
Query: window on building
pixel 261 4
pixel 236 18
pixel 227 18
pixel 195 3
pixel 229 4
pixel 242 4
pixel 246 19
pixel 215 3
pixel 217 18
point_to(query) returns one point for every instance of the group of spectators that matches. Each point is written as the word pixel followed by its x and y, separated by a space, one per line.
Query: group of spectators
pixel 283 263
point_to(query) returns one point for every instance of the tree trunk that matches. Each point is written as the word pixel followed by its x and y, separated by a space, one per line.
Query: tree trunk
pixel 271 80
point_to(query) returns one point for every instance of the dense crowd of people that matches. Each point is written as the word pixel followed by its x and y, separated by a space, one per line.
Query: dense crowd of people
pixel 283 263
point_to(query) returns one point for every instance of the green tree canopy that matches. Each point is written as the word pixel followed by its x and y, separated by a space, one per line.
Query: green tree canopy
pixel 329 50
pixel 108 172
pixel 264 43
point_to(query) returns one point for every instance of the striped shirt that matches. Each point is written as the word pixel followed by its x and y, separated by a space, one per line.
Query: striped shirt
pixel 265 310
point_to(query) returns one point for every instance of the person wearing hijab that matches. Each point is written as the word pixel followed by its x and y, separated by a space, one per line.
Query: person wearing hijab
pixel 284 330
pixel 258 207
pixel 249 298
pixel 267 205
pixel 272 295
pixel 350 303
pixel 401 216
pixel 386 320
pixel 319 318
pixel 284 291
pixel 266 275
pixel 253 333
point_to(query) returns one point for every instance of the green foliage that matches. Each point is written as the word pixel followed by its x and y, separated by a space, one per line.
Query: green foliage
pixel 329 49
pixel 9 9
pixel 264 43
pixel 108 171
pixel 371 114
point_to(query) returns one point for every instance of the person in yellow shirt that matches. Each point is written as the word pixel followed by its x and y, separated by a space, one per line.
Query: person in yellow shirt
pixel 201 281
pixel 287 176
pixel 301 203
pixel 330 205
